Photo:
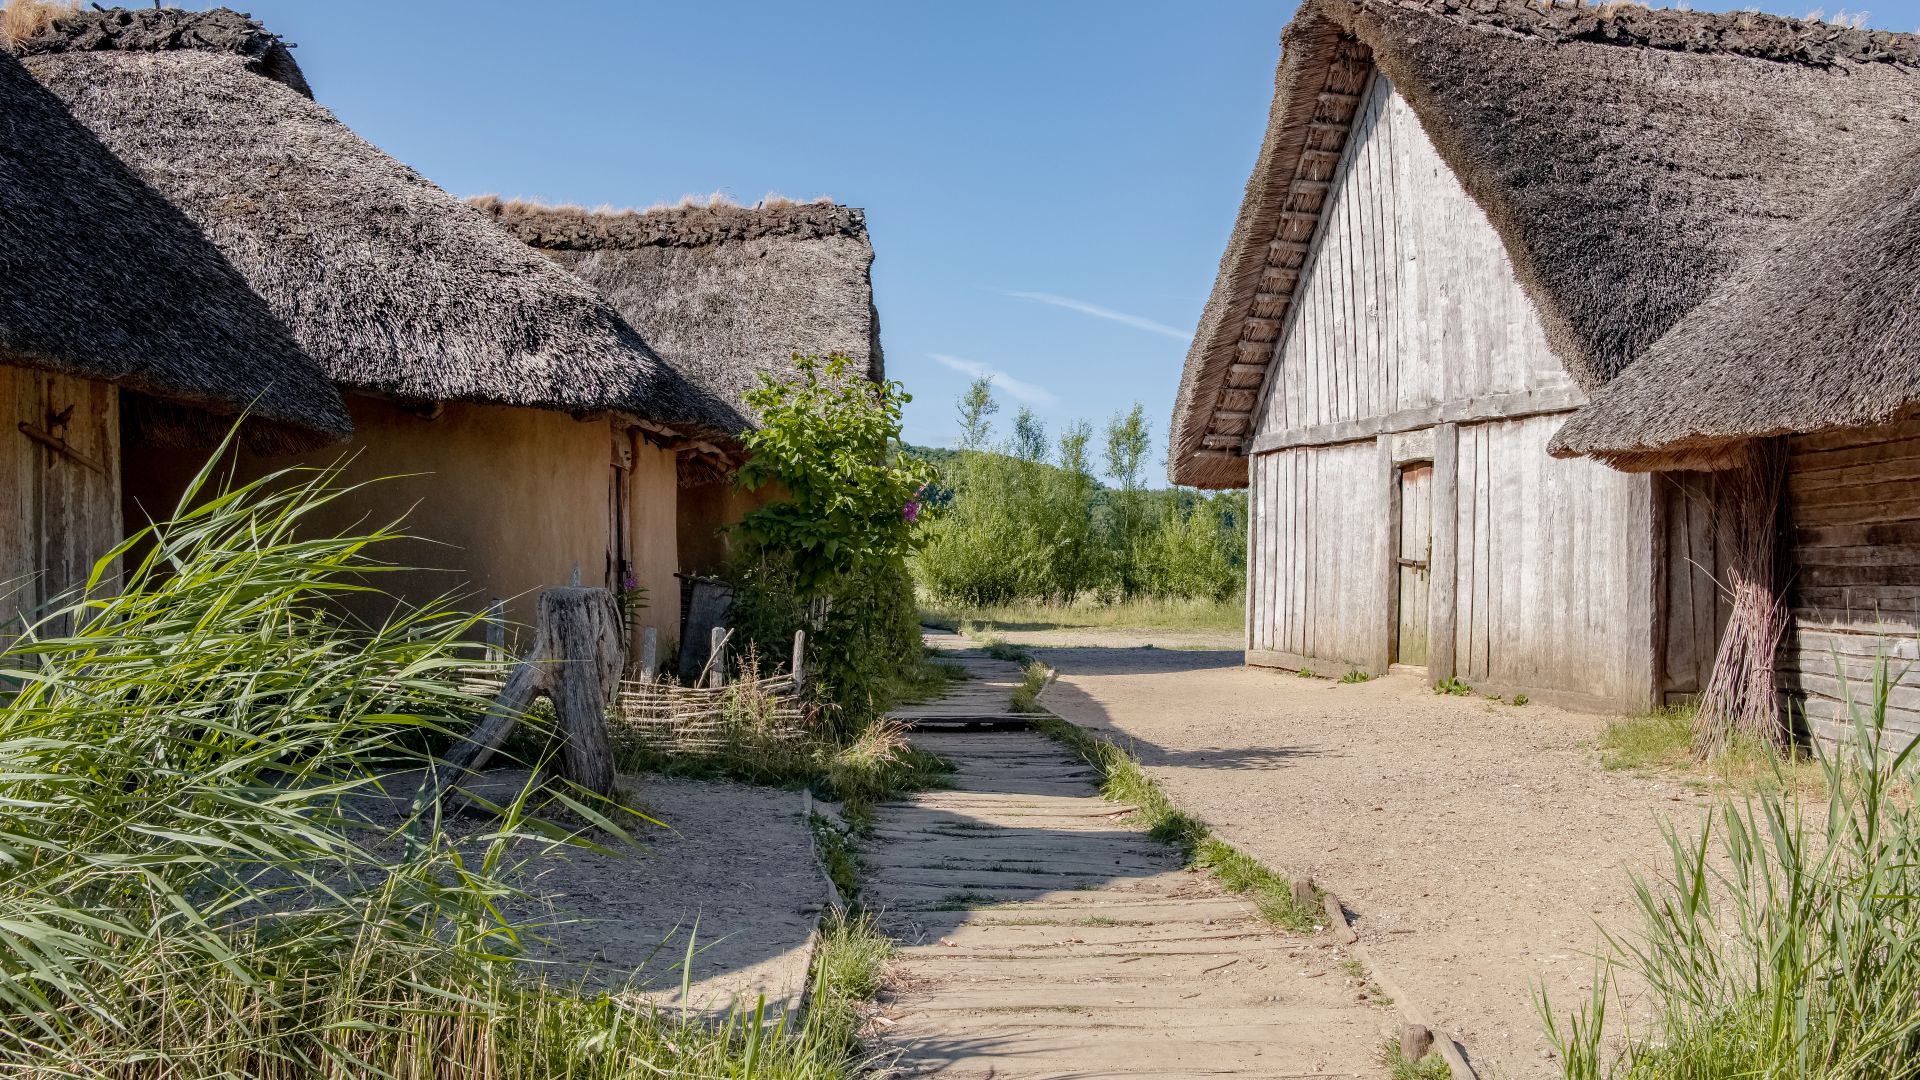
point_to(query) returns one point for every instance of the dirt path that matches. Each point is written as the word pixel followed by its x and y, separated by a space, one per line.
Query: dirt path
pixel 1042 937
pixel 732 870
pixel 1481 843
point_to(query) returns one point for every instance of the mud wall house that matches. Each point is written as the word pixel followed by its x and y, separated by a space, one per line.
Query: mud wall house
pixel 1463 221
pixel 1811 350
pixel 116 316
pixel 505 393
pixel 724 294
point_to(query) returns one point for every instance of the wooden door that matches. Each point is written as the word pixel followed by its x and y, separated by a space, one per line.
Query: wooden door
pixel 1415 549
pixel 61 476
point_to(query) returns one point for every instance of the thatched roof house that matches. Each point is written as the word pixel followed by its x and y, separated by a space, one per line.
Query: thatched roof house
pixel 397 287
pixel 1798 383
pixel 722 292
pixel 1818 331
pixel 112 305
pixel 725 294
pixel 469 357
pixel 1464 220
pixel 102 279
pixel 1629 159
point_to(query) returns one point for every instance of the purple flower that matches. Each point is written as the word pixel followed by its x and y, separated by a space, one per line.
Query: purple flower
pixel 628 582
pixel 911 511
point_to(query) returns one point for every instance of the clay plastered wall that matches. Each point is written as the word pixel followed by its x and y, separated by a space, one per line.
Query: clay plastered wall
pixel 506 501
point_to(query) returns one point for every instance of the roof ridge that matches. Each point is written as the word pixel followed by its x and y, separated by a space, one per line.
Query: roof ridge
pixel 576 228
pixel 1626 23
pixel 154 30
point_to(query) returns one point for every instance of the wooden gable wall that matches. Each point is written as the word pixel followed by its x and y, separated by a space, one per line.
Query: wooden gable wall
pixel 1408 300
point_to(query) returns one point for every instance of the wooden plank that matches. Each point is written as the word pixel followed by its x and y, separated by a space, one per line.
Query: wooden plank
pixel 1391 542
pixel 1517 405
pixel 1443 589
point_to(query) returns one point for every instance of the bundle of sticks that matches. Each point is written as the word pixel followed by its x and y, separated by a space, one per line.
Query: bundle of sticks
pixel 1742 697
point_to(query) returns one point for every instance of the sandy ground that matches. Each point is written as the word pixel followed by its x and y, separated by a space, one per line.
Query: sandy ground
pixel 1480 844
pixel 734 863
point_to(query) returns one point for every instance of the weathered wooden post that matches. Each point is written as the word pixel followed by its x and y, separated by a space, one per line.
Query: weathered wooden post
pixel 799 660
pixel 649 653
pixel 497 630
pixel 1416 1042
pixel 717 657
pixel 578 653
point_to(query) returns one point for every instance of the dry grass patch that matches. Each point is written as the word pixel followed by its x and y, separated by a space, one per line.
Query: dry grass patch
pixel 1662 740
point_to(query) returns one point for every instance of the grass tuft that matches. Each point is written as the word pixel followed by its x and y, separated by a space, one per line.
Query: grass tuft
pixel 1662 740
pixel 1452 685
pixel 1355 675
pixel 1431 1067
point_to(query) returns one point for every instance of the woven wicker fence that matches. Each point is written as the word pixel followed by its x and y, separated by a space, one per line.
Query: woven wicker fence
pixel 667 718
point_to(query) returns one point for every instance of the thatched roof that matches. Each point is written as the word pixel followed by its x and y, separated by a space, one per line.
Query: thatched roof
pixel 100 277
pixel 1819 330
pixel 723 292
pixel 1629 159
pixel 395 286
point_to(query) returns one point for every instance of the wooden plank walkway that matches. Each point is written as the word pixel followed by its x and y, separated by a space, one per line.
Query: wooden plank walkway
pixel 1041 936
pixel 984 698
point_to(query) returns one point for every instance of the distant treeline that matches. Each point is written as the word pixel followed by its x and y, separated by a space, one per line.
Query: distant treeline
pixel 1023 519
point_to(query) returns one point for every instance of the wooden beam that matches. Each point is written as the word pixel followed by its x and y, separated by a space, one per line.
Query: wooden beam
pixel 1282 248
pixel 1232 415
pixel 1514 406
pixel 1221 442
pixel 1247 369
pixel 1444 564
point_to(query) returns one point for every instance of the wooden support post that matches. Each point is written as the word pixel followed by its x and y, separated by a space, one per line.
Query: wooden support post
pixel 1444 565
pixel 649 653
pixel 799 659
pixel 1386 617
pixel 578 653
pixel 497 630
pixel 717 657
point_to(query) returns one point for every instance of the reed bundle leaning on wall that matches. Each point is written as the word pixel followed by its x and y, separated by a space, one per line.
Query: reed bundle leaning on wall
pixel 1742 697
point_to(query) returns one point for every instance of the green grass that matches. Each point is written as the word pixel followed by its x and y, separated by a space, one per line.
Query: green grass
pixel 1227 616
pixel 1355 676
pixel 1773 943
pixel 837 855
pixel 1431 1067
pixel 215 859
pixel 1026 696
pixel 1124 781
pixel 1662 740
pixel 1452 685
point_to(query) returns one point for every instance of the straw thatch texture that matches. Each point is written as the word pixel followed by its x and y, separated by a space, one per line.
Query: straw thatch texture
pixel 724 293
pixel 100 277
pixel 1820 330
pixel 1630 159
pixel 396 287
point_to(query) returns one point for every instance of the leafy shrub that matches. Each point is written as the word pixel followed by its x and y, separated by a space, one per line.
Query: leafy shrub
pixel 831 558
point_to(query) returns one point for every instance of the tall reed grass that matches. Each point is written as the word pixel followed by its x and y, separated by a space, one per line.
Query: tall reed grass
pixel 1773 946
pixel 216 857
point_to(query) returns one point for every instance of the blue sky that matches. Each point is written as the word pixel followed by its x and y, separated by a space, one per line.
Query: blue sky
pixel 1049 183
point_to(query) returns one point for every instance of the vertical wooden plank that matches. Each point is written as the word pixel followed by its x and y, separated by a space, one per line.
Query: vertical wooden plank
pixel 1385 620
pixel 1446 538
pixel 18 537
pixel 1655 676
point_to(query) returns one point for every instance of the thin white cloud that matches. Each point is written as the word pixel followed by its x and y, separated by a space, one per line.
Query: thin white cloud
pixel 1098 312
pixel 1016 388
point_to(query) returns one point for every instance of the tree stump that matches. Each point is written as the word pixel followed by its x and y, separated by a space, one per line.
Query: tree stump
pixel 577 656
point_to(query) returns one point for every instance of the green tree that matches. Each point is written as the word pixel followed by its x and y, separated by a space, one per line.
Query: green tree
pixel 976 414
